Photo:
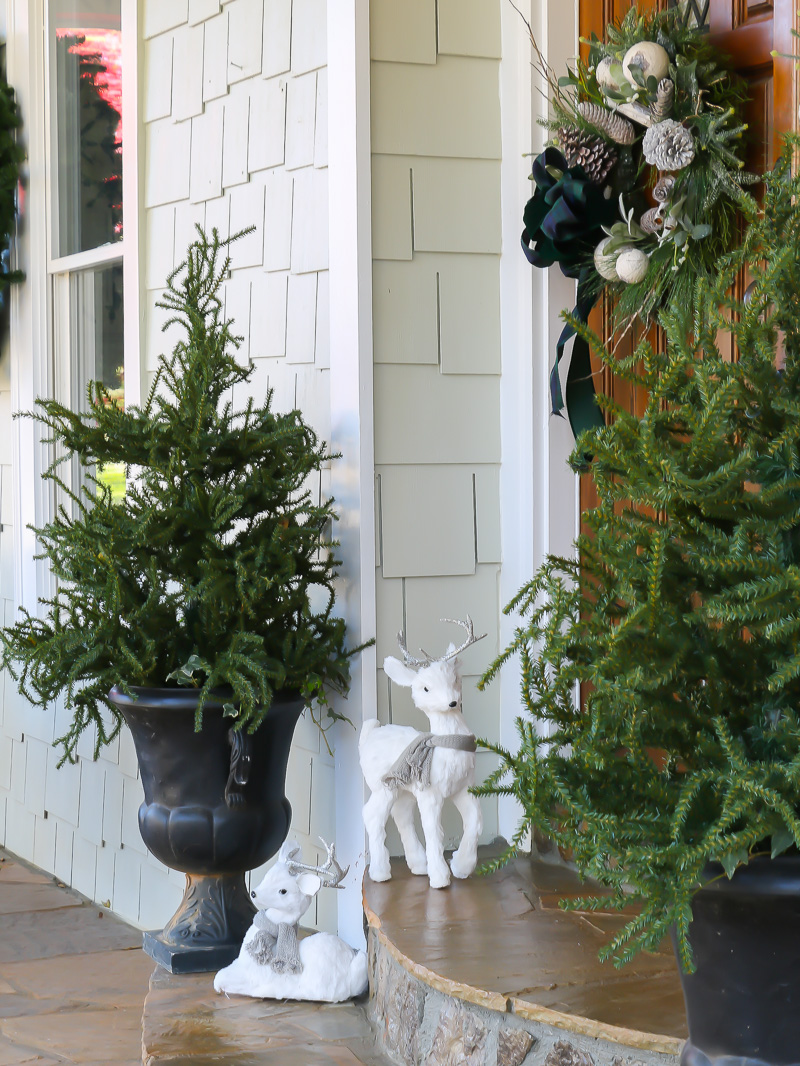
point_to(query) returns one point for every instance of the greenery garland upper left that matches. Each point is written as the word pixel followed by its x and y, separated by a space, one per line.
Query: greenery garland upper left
pixel 12 155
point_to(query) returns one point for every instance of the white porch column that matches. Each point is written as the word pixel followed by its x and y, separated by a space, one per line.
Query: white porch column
pixel 539 494
pixel 350 259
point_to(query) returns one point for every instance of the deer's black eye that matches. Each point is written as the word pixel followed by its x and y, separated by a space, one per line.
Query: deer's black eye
pixel 282 892
pixel 425 687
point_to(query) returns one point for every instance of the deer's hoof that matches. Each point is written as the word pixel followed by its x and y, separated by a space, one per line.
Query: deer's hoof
pixel 440 882
pixel 380 873
pixel 462 868
pixel 418 868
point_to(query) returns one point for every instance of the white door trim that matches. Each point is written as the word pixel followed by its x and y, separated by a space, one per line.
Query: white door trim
pixel 538 493
pixel 353 475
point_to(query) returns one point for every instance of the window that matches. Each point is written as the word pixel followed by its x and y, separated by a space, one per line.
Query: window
pixel 85 60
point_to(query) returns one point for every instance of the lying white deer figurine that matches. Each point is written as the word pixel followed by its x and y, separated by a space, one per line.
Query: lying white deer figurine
pixel 273 962
pixel 402 765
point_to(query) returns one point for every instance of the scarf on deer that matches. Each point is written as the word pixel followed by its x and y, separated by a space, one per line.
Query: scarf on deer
pixel 275 945
pixel 413 766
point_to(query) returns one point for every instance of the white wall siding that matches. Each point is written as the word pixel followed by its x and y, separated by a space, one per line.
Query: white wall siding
pixel 436 307
pixel 234 108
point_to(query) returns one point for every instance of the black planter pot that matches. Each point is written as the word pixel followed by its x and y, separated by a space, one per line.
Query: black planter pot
pixel 743 1001
pixel 214 807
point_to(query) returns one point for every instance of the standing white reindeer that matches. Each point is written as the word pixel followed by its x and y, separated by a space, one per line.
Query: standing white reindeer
pixel 273 962
pixel 402 765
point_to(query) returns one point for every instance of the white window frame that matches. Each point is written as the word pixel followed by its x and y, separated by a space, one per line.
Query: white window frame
pixel 37 312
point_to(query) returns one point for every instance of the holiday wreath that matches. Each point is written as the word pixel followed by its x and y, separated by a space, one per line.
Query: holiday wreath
pixel 637 193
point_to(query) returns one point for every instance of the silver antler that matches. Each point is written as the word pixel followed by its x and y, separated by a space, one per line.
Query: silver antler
pixel 471 638
pixel 420 664
pixel 330 873
pixel 409 660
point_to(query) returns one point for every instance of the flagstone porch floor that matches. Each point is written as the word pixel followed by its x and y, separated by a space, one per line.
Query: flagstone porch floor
pixel 486 973
pixel 76 987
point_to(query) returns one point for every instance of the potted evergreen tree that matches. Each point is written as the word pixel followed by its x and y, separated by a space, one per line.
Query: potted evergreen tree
pixel 675 783
pixel 198 608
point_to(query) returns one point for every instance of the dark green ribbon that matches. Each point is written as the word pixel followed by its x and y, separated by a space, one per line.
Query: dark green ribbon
pixel 563 222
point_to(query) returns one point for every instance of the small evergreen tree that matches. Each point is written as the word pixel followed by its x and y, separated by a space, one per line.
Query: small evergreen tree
pixel 216 569
pixel 680 615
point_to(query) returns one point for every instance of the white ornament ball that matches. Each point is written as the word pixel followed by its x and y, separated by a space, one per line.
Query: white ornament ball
pixel 651 59
pixel 632 265
pixel 605 265
pixel 605 79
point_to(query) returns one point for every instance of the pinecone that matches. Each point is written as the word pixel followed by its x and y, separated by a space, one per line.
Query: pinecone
pixel 668 145
pixel 584 150
pixel 614 126
pixel 661 107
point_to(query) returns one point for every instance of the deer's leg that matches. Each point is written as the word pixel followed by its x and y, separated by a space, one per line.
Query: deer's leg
pixel 430 810
pixel 403 814
pixel 465 858
pixel 376 812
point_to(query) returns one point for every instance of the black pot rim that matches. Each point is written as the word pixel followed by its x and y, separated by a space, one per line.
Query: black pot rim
pixel 184 699
pixel 761 876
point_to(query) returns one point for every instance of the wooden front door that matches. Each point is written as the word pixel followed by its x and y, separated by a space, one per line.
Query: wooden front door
pixel 748 31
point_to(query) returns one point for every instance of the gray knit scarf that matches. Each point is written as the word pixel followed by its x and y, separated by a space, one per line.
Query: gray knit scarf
pixel 275 945
pixel 413 766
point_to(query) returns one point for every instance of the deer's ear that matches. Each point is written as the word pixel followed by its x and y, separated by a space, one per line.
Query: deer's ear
pixel 289 849
pixel 309 884
pixel 450 649
pixel 398 672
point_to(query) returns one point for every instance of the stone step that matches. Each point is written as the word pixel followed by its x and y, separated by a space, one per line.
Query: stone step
pixel 186 1022
pixel 489 972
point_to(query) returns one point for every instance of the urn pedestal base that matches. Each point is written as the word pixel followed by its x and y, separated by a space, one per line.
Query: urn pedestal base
pixel 207 930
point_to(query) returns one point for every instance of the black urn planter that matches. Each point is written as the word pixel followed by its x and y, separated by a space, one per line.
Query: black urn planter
pixel 214 807
pixel 743 1001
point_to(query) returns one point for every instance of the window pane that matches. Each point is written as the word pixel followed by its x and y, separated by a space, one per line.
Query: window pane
pixel 96 346
pixel 86 102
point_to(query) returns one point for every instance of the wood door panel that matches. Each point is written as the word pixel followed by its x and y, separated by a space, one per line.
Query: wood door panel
pixel 747 31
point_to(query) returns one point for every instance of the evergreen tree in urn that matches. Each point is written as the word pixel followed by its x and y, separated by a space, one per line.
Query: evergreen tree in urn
pixel 216 570
pixel 678 618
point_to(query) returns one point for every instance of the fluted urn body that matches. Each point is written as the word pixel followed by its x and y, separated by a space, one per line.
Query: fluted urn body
pixel 214 807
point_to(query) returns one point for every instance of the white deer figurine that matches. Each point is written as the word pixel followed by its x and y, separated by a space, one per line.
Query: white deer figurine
pixel 402 765
pixel 273 962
